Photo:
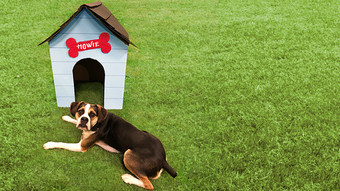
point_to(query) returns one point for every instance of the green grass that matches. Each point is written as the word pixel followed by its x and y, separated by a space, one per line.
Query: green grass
pixel 90 92
pixel 243 94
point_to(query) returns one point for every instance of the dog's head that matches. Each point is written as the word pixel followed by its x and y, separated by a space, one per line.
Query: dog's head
pixel 87 115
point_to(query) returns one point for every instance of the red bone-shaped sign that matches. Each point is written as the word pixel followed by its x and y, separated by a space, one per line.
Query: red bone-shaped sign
pixel 102 43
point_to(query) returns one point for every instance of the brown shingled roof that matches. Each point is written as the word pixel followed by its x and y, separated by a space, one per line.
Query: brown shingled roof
pixel 104 16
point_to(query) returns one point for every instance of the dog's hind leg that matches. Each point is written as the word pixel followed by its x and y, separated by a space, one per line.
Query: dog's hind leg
pixel 133 166
pixel 69 119
pixel 141 182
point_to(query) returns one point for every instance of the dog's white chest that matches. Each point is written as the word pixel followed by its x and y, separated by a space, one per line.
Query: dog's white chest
pixel 86 134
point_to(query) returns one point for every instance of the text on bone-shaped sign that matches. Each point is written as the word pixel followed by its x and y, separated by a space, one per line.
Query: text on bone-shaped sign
pixel 75 47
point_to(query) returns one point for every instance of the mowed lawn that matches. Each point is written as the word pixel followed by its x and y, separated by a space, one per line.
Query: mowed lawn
pixel 243 94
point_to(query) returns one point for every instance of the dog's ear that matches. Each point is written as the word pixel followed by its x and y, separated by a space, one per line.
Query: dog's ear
pixel 102 113
pixel 74 107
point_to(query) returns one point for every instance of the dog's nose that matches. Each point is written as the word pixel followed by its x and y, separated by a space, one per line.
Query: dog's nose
pixel 84 120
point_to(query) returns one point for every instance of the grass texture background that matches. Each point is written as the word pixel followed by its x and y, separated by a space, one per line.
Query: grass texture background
pixel 243 94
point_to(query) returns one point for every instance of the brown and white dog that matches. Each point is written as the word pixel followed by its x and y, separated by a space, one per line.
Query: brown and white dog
pixel 144 154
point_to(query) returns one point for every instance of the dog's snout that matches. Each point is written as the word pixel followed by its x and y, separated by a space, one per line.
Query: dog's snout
pixel 84 120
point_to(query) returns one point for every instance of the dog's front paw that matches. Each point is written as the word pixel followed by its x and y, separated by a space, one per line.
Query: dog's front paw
pixel 49 145
pixel 69 119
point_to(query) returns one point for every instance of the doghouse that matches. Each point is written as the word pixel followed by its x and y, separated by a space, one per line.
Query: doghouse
pixel 91 46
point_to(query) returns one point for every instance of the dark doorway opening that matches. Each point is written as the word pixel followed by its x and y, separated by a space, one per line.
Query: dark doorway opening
pixel 89 78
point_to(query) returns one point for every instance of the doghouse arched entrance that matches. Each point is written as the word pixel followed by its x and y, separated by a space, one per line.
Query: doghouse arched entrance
pixel 89 80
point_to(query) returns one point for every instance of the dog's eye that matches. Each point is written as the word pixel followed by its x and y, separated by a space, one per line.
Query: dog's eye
pixel 81 112
pixel 92 114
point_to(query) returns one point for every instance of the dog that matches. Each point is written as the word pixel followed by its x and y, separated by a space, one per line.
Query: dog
pixel 144 154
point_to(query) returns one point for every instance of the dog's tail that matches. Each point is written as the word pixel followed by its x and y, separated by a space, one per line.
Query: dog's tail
pixel 169 169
